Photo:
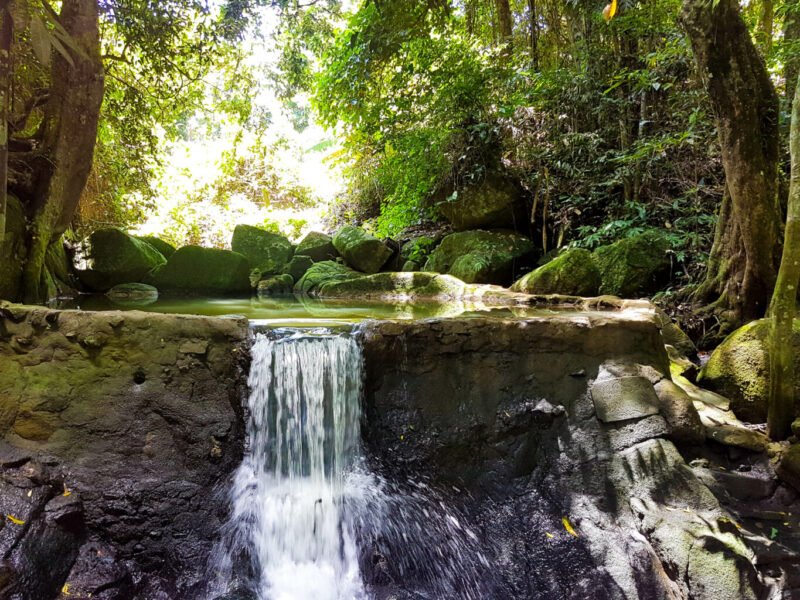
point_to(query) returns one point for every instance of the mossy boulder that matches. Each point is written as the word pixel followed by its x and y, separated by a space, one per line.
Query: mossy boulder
pixel 280 285
pixel 318 246
pixel 12 249
pixel 572 273
pixel 197 270
pixel 635 266
pixel 298 266
pixel 132 294
pixel 396 286
pixel 324 273
pixel 494 202
pixel 165 248
pixel 738 370
pixel 113 257
pixel 265 250
pixel 481 256
pixel 360 250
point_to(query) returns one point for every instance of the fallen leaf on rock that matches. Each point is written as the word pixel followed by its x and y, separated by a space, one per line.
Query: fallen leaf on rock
pixel 67 491
pixel 550 535
pixel 15 520
pixel 568 527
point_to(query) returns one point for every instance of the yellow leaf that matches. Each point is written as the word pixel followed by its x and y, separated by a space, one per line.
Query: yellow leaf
pixel 610 10
pixel 15 520
pixel 550 535
pixel 67 491
pixel 65 590
pixel 568 527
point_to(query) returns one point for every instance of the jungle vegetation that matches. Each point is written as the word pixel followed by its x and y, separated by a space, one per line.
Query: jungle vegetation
pixel 612 117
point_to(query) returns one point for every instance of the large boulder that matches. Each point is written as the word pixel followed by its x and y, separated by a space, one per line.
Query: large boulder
pixel 298 266
pixel 573 273
pixel 117 432
pixel 396 286
pixel 635 266
pixel 318 246
pixel 12 249
pixel 265 250
pixel 738 369
pixel 492 203
pixel 321 274
pixel 113 257
pixel 197 270
pixel 165 248
pixel 481 256
pixel 360 250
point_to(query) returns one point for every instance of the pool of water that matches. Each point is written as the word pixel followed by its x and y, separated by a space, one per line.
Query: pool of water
pixel 295 310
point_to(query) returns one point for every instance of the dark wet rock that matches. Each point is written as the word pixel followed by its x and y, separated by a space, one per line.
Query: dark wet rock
pixel 679 411
pixel 275 286
pixel 132 294
pixel 527 456
pixel 360 250
pixel 634 267
pixel 317 246
pixel 738 370
pixel 263 249
pixel 115 453
pixel 196 270
pixel 481 256
pixel 298 266
pixel 112 257
pixel 624 398
pixel 12 249
pixel 573 273
pixel 165 248
pixel 788 468
pixel 493 202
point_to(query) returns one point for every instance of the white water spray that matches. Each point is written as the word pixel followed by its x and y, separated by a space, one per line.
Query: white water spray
pixel 305 507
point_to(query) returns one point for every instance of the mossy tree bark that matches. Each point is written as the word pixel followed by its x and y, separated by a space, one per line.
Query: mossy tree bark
pixel 745 256
pixel 784 299
pixel 505 24
pixel 68 139
pixel 6 38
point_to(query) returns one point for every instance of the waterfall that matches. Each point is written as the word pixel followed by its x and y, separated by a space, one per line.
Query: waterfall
pixel 305 509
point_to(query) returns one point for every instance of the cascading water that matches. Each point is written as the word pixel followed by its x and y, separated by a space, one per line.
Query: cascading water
pixel 306 511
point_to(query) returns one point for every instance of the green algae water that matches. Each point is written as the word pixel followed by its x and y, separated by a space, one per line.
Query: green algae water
pixel 297 310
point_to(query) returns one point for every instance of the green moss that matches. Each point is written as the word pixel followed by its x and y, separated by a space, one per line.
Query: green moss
pixel 265 250
pixel 194 269
pixel 115 257
pixel 633 267
pixel 480 256
pixel 298 266
pixel 165 248
pixel 12 249
pixel 491 203
pixel 738 369
pixel 318 246
pixel 360 250
pixel 572 273
pixel 323 273
pixel 395 285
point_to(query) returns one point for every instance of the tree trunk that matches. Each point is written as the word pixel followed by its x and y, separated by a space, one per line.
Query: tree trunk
pixel 504 23
pixel 766 20
pixel 6 41
pixel 791 63
pixel 784 300
pixel 743 273
pixel 533 15
pixel 70 132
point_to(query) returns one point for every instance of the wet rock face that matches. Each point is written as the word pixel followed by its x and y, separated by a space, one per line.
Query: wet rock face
pixel 539 426
pixel 118 432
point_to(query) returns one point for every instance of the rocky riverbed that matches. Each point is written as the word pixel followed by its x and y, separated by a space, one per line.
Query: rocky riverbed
pixel 561 441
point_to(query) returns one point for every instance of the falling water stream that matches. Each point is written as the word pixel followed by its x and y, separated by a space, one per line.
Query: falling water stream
pixel 305 507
